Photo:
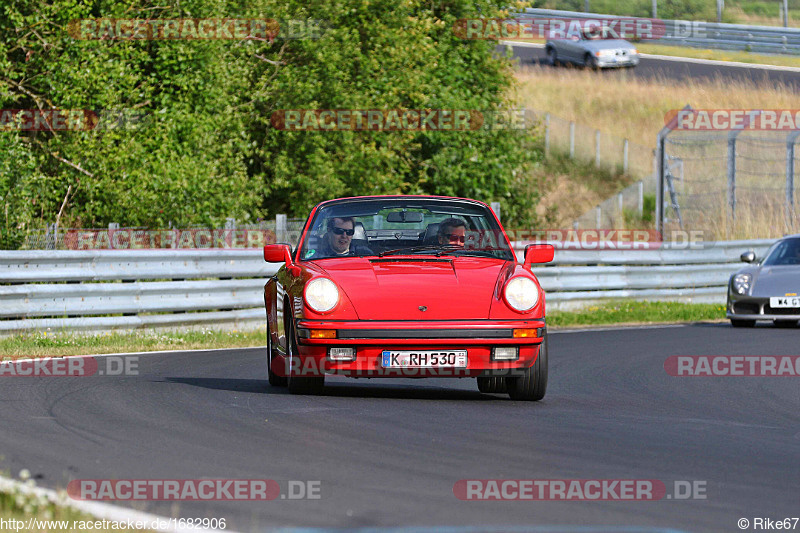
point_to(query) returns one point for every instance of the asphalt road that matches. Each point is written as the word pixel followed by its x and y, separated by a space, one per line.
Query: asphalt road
pixel 387 453
pixel 672 71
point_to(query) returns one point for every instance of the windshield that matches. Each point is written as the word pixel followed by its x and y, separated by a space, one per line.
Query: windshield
pixel 404 226
pixel 786 252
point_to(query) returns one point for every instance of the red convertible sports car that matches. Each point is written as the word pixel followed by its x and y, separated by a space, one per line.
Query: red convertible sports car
pixel 406 286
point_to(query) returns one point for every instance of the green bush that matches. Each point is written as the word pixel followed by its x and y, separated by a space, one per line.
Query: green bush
pixel 210 152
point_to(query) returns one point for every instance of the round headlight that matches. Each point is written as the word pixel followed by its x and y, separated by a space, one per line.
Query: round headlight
pixel 741 283
pixel 321 295
pixel 521 294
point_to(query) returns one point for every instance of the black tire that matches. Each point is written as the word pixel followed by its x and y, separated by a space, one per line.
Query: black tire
pixel 552 57
pixel 299 385
pixel 492 384
pixel 741 323
pixel 590 62
pixel 532 385
pixel 785 323
pixel 274 379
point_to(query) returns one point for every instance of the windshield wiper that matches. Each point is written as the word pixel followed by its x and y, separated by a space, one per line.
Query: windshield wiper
pixel 440 249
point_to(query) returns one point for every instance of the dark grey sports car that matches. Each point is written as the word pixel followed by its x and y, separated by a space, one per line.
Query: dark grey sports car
pixel 768 288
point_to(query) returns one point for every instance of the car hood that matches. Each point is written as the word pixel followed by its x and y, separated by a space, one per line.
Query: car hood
pixel 608 44
pixel 449 288
pixel 776 281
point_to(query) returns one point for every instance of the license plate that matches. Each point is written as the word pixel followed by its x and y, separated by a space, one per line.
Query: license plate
pixel 424 359
pixel 784 301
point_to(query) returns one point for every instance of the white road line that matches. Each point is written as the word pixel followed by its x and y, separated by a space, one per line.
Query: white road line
pixel 101 510
pixel 682 59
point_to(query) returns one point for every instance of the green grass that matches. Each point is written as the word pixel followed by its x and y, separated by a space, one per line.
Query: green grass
pixel 21 507
pixel 49 344
pixel 629 311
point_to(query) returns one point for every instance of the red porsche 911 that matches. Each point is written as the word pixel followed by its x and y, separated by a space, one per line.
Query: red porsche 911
pixel 406 286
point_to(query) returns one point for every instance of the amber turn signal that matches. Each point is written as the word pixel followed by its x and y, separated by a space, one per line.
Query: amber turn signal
pixel 323 334
pixel 526 333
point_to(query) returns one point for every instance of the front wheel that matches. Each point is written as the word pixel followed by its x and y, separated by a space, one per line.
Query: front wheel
pixel 274 379
pixel 532 385
pixel 590 62
pixel 492 384
pixel 296 384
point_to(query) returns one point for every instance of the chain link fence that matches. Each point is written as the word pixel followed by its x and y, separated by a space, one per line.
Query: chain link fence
pixel 613 153
pixel 731 184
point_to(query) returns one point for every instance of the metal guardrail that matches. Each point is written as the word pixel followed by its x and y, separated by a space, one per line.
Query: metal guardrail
pixel 71 290
pixel 698 34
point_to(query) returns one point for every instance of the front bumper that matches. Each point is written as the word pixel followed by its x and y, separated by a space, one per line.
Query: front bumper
pixel 610 62
pixel 742 307
pixel 371 338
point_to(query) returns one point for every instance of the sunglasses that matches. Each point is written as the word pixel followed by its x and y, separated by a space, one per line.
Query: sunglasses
pixel 455 238
pixel 342 231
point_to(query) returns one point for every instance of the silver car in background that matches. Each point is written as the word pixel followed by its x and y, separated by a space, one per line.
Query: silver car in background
pixel 768 288
pixel 589 49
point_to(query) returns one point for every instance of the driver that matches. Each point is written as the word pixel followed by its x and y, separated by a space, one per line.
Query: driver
pixel 452 231
pixel 337 241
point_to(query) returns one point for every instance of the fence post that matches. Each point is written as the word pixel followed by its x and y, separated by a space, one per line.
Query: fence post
pixel 280 228
pixel 496 208
pixel 640 204
pixel 660 164
pixel 620 207
pixel 731 173
pixel 546 133
pixel 790 140
pixel 598 216
pixel 597 148
pixel 571 140
pixel 625 156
